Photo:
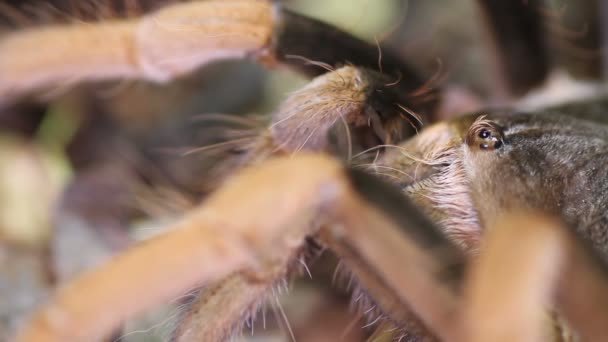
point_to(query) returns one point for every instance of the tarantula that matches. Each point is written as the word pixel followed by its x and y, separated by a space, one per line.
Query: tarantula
pixel 488 226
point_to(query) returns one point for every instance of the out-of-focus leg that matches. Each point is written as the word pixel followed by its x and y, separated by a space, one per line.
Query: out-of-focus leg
pixel 528 264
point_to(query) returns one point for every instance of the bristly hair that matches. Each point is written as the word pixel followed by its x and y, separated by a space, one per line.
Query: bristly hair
pixel 444 192
pixel 370 314
pixel 255 296
pixel 450 192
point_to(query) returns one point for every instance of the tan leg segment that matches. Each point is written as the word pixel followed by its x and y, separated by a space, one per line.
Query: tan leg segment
pixel 510 286
pixel 249 225
pixel 219 311
pixel 182 37
pixel 527 259
pixel 254 225
pixel 157 47
pixel 401 259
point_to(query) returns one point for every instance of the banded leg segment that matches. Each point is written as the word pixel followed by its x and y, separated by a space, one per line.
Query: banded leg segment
pixel 158 46
pixel 178 39
pixel 255 226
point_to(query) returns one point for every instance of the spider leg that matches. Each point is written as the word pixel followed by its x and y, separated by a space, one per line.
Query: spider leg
pixel 220 309
pixel 130 48
pixel 178 39
pixel 211 243
pixel 430 287
pixel 550 266
pixel 528 40
pixel 516 40
pixel 257 230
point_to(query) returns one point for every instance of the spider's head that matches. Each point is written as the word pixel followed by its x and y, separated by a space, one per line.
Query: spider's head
pixel 464 172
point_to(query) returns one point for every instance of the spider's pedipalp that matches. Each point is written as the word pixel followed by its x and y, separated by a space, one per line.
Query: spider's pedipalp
pixel 349 96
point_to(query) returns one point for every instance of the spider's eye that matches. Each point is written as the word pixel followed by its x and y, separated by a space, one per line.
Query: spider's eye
pixel 485 135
